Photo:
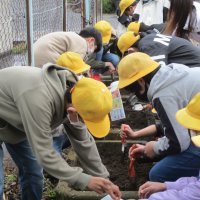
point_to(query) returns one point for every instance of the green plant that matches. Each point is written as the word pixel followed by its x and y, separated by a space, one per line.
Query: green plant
pixel 108 6
pixel 11 178
pixel 19 48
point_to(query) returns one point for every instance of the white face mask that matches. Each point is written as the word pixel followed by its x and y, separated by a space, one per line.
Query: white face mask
pixel 90 47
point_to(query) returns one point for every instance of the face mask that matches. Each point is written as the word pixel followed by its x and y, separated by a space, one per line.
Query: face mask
pixel 91 47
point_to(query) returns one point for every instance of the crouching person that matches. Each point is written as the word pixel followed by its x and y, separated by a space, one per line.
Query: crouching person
pixel 34 101
pixel 187 187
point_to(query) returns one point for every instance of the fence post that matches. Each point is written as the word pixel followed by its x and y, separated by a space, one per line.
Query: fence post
pixel 87 12
pixel 64 16
pixel 98 10
pixel 29 26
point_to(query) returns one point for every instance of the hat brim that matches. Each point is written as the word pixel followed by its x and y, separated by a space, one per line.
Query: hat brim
pixel 106 39
pixel 196 140
pixel 135 77
pixel 99 129
pixel 187 121
pixel 83 69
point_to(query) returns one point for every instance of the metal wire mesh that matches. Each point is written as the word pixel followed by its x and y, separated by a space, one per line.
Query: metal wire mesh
pixel 12 33
pixel 74 19
pixel 47 17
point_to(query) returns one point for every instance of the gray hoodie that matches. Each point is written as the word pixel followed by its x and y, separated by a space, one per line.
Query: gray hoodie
pixel 171 89
pixel 32 103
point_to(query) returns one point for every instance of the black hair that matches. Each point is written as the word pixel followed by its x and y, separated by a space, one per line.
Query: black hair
pixel 92 32
pixel 135 87
pixel 178 14
pixel 133 4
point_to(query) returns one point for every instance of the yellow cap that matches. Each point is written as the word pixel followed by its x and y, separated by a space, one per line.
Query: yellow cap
pixel 189 117
pixel 124 4
pixel 105 29
pixel 126 40
pixel 72 61
pixel 133 67
pixel 93 102
pixel 134 27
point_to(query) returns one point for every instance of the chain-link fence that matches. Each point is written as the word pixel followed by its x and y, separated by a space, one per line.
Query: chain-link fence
pixel 12 32
pixel 47 16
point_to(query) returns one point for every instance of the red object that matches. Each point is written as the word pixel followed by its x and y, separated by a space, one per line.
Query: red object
pixel 95 76
pixel 131 168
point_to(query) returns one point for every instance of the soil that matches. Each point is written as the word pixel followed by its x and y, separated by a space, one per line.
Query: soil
pixel 117 164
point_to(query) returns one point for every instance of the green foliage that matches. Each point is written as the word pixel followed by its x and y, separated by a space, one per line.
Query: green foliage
pixel 11 178
pixel 108 6
pixel 52 194
pixel 19 48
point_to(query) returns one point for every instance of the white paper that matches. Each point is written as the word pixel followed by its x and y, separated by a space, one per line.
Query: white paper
pixel 108 198
pixel 117 111
pixel 137 107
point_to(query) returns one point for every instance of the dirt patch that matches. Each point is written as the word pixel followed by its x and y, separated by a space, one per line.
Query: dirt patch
pixel 117 164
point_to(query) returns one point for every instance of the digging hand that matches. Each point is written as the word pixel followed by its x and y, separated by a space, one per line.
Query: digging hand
pixel 102 185
pixel 126 131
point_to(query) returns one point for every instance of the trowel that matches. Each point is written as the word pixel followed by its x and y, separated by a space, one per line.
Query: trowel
pixel 124 143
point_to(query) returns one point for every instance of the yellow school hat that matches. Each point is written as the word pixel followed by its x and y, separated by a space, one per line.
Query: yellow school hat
pixel 133 67
pixel 126 40
pixel 93 101
pixel 124 4
pixel 72 61
pixel 105 29
pixel 189 117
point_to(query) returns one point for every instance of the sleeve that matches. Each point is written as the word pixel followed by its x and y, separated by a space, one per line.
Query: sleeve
pixel 159 129
pixel 36 115
pixel 145 28
pixel 189 191
pixel 176 138
pixel 85 147
pixel 181 183
pixel 95 64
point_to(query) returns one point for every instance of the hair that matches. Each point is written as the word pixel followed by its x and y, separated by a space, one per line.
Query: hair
pixel 135 87
pixel 133 4
pixel 92 32
pixel 178 13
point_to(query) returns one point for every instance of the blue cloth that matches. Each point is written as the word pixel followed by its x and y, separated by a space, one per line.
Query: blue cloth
pixel 30 172
pixel 173 167
pixel 107 57
pixel 60 142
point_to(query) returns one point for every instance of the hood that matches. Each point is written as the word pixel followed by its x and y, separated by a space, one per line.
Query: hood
pixel 55 78
pixel 166 76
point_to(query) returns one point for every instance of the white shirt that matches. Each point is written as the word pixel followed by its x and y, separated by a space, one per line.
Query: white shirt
pixel 151 12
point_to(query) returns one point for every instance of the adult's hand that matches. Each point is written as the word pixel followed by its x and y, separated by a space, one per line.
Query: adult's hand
pixel 102 185
pixel 149 188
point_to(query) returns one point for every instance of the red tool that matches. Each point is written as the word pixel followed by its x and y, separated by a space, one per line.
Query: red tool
pixel 131 168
